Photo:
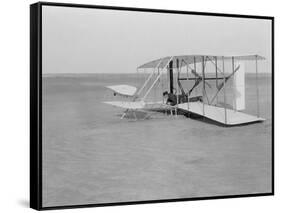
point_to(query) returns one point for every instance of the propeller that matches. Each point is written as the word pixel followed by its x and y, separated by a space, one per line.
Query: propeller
pixel 200 77
pixel 228 77
pixel 221 85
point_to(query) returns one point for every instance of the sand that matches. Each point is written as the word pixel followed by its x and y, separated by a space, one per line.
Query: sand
pixel 91 156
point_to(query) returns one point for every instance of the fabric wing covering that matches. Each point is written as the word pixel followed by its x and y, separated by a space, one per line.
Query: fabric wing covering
pixel 125 90
pixel 188 59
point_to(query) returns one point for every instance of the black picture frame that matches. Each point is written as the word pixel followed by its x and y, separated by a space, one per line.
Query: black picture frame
pixel 36 102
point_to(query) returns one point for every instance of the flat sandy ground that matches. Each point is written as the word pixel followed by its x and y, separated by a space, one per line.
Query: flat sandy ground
pixel 91 156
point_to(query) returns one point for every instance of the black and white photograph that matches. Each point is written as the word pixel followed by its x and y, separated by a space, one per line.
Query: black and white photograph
pixel 153 106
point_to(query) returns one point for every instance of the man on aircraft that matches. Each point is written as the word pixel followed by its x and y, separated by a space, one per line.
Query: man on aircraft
pixel 171 99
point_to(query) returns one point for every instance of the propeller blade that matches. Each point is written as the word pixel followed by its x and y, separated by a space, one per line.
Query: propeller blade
pixel 221 85
pixel 199 76
pixel 195 73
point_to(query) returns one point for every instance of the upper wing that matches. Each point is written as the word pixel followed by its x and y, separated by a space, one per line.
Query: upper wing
pixel 189 59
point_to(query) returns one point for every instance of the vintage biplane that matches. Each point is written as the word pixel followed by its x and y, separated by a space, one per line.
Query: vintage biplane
pixel 172 72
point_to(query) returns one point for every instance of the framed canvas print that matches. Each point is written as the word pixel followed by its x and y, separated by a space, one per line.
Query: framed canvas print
pixel 134 105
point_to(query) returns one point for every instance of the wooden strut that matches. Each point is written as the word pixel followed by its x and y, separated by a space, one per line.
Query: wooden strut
pixel 171 76
pixel 234 92
pixel 154 82
pixel 126 111
pixel 176 109
pixel 208 78
pixel 145 83
pixel 194 67
pixel 217 83
pixel 206 82
pixel 157 78
pixel 224 94
pixel 220 86
pixel 187 93
pixel 150 76
pixel 203 79
pixel 215 63
pixel 257 88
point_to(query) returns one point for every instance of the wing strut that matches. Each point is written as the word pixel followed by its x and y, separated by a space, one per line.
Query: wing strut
pixel 221 85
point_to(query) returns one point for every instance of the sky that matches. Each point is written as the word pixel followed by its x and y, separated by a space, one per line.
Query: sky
pixel 81 40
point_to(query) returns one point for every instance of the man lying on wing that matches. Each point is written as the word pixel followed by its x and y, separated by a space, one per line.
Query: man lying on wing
pixel 171 99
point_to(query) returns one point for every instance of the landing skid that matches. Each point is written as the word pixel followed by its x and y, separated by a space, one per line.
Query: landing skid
pixel 132 115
